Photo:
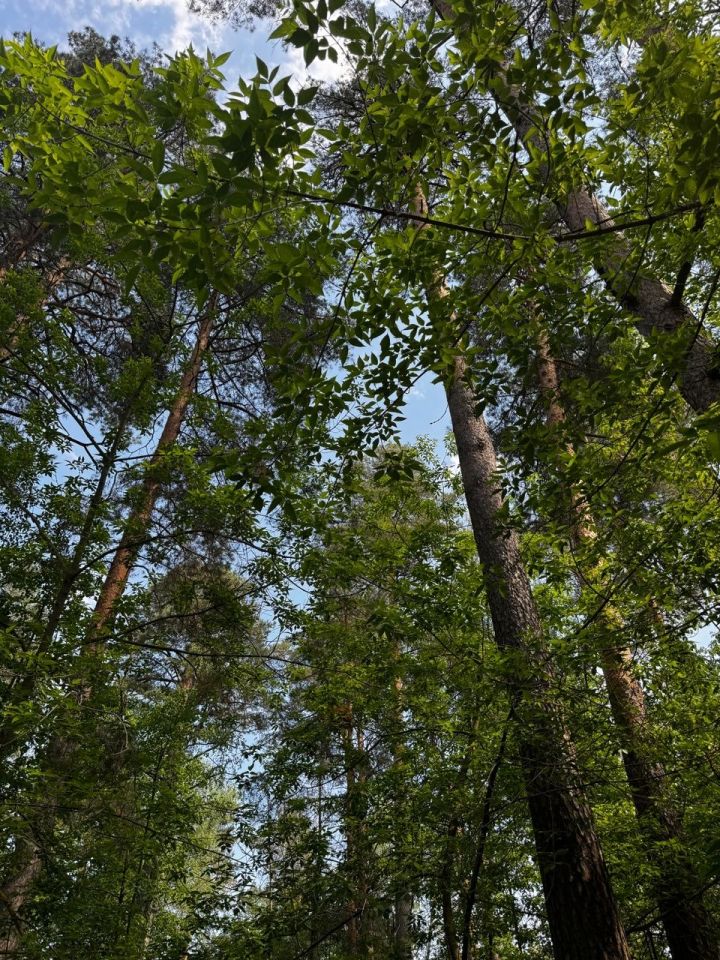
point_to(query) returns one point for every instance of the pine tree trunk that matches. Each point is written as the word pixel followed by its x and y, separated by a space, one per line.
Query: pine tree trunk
pixel 15 892
pixel 30 862
pixel 583 916
pixel 137 525
pixel 688 926
pixel 651 301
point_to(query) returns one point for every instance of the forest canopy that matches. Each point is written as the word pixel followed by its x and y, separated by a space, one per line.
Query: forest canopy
pixel 278 681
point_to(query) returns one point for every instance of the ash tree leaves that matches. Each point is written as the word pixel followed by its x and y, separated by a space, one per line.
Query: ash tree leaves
pixel 297 740
pixel 183 198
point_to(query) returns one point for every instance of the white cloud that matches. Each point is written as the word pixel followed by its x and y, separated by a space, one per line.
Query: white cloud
pixel 176 27
pixel 186 27
pixel 169 23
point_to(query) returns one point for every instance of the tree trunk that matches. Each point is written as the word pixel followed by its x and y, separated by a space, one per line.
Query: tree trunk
pixel 15 892
pixel 650 300
pixel 403 898
pixel 137 525
pixel 446 889
pixel 14 895
pixel 582 913
pixel 688 926
pixel 356 924
pixel 403 917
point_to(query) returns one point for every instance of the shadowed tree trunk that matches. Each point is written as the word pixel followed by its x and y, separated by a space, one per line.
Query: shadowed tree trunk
pixel 688 926
pixel 656 306
pixel 583 916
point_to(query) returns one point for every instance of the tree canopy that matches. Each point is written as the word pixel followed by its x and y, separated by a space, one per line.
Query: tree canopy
pixel 276 680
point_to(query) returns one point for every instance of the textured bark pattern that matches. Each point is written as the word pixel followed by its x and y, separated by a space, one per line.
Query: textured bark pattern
pixel 402 927
pixel 582 913
pixel 648 298
pixel 137 525
pixel 688 926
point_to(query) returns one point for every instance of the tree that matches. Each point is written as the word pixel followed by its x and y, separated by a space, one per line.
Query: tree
pixel 273 683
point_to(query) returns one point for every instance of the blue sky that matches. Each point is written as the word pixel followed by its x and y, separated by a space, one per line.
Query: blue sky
pixel 166 22
pixel 169 23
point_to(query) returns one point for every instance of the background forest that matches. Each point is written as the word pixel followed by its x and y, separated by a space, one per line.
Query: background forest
pixel 273 683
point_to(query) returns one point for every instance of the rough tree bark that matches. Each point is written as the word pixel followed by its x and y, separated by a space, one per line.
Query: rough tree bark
pixel 582 913
pixel 652 302
pixel 688 926
pixel 583 916
pixel 15 891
